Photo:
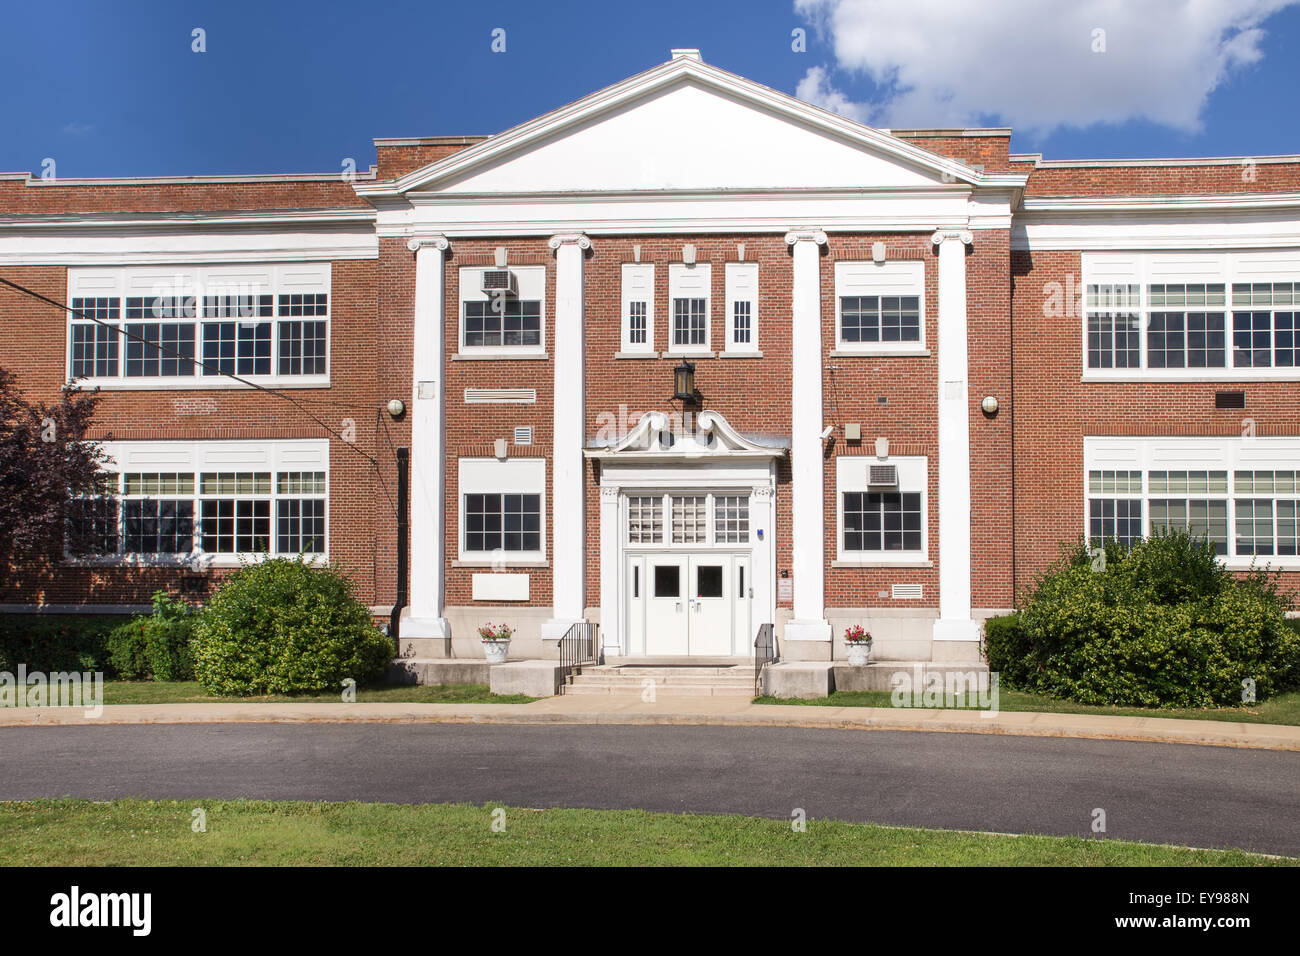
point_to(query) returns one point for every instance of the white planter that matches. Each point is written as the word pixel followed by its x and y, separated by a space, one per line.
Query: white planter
pixel 859 652
pixel 495 650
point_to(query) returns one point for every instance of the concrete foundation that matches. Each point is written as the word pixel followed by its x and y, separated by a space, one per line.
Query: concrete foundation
pixel 530 678
pixel 799 679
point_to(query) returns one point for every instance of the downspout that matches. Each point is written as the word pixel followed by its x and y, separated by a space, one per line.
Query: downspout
pixel 403 536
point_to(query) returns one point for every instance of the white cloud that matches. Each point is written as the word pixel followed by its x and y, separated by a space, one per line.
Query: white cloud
pixel 1031 63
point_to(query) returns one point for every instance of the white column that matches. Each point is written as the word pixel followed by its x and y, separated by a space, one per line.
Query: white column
pixel 423 615
pixel 954 622
pixel 612 583
pixel 568 528
pixel 808 517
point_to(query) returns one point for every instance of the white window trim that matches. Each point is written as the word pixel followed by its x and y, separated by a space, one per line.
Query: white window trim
pixel 121 282
pixel 628 297
pixel 1139 269
pixel 864 277
pixel 676 271
pixel 666 543
pixel 492 476
pixel 913 476
pixel 1195 454
pixel 531 283
pixel 197 457
pixel 741 286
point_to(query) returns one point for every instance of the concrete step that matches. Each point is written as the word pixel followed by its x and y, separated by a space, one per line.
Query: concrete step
pixel 675 679
pixel 657 672
pixel 678 690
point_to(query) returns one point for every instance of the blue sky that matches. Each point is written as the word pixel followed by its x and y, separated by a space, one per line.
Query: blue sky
pixel 114 89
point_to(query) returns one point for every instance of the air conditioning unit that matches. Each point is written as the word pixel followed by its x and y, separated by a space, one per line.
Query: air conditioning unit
pixel 498 281
pixel 882 476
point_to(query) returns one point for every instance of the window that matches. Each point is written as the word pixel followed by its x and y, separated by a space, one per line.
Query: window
pixel 689 295
pixel 690 322
pixel 1113 324
pixel 881 524
pixel 882 521
pixel 1114 506
pixel 874 319
pixel 645 519
pixel 879 306
pixel 1267 507
pixel 690 519
pixel 731 519
pixel 638 307
pixel 501 509
pixel 226 326
pixel 742 299
pixel 1173 315
pixel 503 321
pixel 205 506
pixel 496 522
pixel 1203 517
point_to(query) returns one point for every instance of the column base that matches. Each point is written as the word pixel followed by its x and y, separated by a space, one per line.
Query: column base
pixel 413 627
pixel 956 629
pixel 807 631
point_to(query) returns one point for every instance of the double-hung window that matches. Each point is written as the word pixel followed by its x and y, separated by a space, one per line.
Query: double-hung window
pixel 690 296
pixel 502 311
pixel 742 307
pixel 638 307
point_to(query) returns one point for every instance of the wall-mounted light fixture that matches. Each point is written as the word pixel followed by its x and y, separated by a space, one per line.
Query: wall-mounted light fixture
pixel 396 407
pixel 684 382
pixel 989 405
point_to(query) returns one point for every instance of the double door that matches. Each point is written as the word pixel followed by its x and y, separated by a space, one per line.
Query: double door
pixel 689 604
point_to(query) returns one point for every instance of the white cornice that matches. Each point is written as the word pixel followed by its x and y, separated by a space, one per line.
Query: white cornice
pixel 37 182
pixel 1186 203
pixel 254 218
pixel 675 71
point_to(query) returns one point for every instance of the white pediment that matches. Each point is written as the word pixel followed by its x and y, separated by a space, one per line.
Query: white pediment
pixel 683 126
pixel 659 435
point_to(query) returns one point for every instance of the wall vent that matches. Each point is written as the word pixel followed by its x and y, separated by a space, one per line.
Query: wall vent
pixel 882 476
pixel 500 396
pixel 907 592
pixel 1229 399
pixel 524 435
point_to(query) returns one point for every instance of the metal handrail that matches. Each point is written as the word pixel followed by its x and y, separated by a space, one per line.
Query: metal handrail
pixel 765 652
pixel 580 645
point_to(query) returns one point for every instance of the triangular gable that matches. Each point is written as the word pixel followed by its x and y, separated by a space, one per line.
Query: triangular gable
pixel 684 125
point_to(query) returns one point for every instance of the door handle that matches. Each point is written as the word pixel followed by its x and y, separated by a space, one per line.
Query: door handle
pixel 679 607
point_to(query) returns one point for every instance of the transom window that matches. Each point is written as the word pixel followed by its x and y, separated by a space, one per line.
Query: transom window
pixel 645 519
pixel 707 519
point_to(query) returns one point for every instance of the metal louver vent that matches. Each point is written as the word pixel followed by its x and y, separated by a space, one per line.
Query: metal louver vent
pixel 906 592
pixel 524 435
pixel 882 476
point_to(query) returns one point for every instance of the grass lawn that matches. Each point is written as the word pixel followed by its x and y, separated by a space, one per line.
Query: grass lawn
pixel 191 692
pixel 158 833
pixel 1281 709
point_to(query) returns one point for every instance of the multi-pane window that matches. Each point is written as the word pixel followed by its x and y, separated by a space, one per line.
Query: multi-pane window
pixel 690 519
pixel 731 519
pixel 245 334
pixel 1113 325
pixel 1115 506
pixel 880 318
pixel 741 322
pixel 95 346
pixel 690 322
pixel 503 321
pixel 158 513
pixel 882 521
pixel 503 522
pixel 1267 507
pixel 1264 324
pixel 300 512
pixel 637 323
pixel 235 512
pixel 93 519
pixel 1185 327
pixel 645 519
pixel 1184 500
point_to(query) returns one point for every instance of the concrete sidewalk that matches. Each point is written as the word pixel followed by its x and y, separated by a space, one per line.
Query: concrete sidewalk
pixel 722 711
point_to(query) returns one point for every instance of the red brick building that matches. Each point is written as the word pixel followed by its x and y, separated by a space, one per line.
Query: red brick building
pixel 684 357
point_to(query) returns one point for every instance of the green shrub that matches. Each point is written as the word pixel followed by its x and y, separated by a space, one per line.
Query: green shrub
pixel 56 642
pixel 1160 624
pixel 168 635
pixel 284 626
pixel 127 650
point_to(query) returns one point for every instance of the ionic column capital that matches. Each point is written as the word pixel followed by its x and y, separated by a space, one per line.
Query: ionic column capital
pixel 570 238
pixel 805 235
pixel 953 235
pixel 437 241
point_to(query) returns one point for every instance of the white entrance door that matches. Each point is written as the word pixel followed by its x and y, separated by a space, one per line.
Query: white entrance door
pixel 689 604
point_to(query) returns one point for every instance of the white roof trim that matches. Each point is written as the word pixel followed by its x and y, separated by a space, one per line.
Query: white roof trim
pixel 612 97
